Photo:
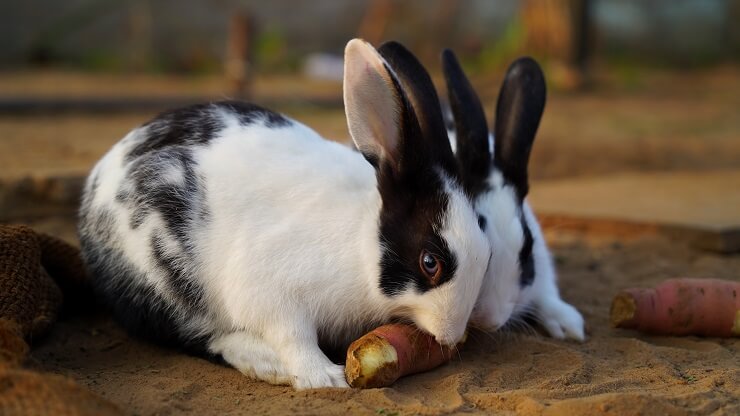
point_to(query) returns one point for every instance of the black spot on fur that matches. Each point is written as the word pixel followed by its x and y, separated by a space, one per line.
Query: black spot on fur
pixel 181 205
pixel 190 126
pixel 189 292
pixel 169 142
pixel 165 181
pixel 199 124
pixel 249 113
pixel 101 226
pixel 138 217
pixel 526 261
pixel 136 307
pixel 122 196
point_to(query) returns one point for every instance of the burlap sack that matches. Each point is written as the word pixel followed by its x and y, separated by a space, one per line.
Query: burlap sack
pixel 36 271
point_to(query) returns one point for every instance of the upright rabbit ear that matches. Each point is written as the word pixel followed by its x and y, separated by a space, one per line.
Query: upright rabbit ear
pixel 518 113
pixel 373 103
pixel 471 131
pixel 422 96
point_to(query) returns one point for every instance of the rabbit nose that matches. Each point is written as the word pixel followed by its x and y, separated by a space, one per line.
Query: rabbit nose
pixel 451 338
pixel 497 324
pixel 445 342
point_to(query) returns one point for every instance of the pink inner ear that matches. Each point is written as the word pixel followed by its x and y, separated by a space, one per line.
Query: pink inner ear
pixel 371 102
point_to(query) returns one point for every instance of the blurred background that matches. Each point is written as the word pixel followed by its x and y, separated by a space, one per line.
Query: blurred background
pixel 634 85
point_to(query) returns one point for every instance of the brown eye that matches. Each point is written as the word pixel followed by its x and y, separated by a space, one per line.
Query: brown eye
pixel 430 266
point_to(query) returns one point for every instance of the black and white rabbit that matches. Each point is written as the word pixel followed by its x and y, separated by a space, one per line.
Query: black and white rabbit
pixel 521 277
pixel 231 230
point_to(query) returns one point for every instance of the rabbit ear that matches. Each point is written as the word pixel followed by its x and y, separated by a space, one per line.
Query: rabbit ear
pixel 373 104
pixel 419 90
pixel 518 113
pixel 471 130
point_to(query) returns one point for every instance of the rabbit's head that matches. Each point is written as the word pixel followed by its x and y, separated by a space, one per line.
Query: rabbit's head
pixel 433 253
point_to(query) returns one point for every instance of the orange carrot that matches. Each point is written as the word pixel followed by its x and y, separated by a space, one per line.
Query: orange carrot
pixel 392 351
pixel 708 307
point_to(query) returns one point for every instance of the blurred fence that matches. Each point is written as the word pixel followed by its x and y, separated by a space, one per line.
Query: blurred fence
pixel 190 35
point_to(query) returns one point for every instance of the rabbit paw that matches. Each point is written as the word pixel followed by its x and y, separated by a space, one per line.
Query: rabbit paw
pixel 329 375
pixel 252 356
pixel 561 320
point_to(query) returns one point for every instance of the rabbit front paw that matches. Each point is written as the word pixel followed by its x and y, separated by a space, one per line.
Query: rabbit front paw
pixel 327 375
pixel 562 320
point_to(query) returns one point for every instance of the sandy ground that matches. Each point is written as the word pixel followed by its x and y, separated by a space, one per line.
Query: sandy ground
pixel 522 371
pixel 670 123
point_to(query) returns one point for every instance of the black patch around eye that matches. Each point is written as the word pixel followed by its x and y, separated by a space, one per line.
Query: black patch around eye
pixel 526 261
pixel 482 222
pixel 407 226
pixel 397 274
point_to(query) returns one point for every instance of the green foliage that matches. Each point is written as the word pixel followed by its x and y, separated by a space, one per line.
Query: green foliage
pixel 101 60
pixel 689 379
pixel 626 71
pixel 498 53
pixel 271 52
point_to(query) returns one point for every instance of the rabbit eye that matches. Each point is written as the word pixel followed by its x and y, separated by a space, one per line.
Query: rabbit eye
pixel 431 266
pixel 482 222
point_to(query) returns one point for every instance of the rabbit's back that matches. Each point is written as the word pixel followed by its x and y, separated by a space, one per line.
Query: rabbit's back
pixel 164 207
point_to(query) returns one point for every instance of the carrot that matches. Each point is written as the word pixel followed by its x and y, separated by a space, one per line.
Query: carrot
pixel 709 307
pixel 390 352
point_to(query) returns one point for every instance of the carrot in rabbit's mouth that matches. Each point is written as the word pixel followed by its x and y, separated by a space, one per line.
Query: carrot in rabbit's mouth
pixel 390 352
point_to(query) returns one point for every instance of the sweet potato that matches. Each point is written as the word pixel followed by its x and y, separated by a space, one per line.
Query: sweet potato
pixel 708 307
pixel 392 351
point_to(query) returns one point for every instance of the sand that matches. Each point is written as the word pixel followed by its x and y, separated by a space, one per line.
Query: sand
pixel 515 372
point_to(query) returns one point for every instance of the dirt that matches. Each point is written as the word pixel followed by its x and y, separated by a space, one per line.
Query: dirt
pixel 517 371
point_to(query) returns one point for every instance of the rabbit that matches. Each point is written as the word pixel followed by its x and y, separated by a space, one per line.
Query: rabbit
pixel 235 232
pixel 521 278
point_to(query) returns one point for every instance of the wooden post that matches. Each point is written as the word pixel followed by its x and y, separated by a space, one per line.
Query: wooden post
pixel 140 35
pixel 580 40
pixel 442 24
pixel 375 22
pixel 238 55
pixel 558 30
